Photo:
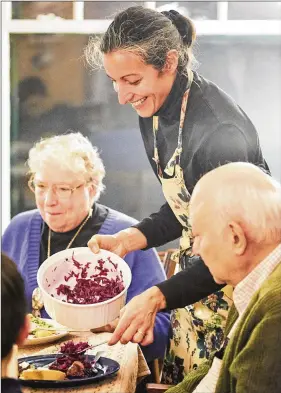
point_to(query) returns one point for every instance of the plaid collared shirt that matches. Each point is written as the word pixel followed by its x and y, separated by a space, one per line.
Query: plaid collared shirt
pixel 246 288
pixel 242 295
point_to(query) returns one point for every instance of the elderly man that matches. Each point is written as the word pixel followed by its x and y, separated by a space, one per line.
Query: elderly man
pixel 235 213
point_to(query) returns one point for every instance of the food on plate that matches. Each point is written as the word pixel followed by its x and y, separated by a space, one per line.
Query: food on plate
pixel 76 369
pixel 43 333
pixel 73 354
pixel 24 366
pixel 38 326
pixel 37 322
pixel 71 362
pixel 73 349
pixel 90 288
pixel 43 374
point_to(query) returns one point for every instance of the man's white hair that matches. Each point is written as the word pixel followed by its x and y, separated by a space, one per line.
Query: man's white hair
pixel 253 199
pixel 71 151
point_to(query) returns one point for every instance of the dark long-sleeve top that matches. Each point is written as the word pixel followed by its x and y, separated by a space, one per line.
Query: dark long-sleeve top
pixel 216 131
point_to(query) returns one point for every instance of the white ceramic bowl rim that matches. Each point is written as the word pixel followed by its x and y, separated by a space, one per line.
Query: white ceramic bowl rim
pixel 77 249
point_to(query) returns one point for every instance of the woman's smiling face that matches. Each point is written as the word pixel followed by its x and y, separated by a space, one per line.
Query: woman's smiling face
pixel 138 83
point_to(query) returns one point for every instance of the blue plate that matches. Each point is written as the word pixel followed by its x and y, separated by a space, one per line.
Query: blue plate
pixel 42 360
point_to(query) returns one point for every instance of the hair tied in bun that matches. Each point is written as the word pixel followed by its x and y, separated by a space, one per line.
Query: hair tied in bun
pixel 182 24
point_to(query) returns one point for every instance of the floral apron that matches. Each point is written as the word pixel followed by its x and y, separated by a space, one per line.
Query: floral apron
pixel 197 330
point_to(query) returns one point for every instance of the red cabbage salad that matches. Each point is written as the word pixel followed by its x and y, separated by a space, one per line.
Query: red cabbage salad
pixel 77 282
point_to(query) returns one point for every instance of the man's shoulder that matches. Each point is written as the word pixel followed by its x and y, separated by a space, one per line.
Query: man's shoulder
pixel 269 295
pixel 273 283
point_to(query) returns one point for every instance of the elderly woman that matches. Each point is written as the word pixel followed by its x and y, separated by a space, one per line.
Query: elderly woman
pixel 66 176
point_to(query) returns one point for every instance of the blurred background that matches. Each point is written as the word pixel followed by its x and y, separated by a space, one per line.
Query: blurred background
pixel 51 90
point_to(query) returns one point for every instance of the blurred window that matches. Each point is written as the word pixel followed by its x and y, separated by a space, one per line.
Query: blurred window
pixel 106 9
pixel 35 9
pixel 52 91
pixel 196 10
pixel 248 10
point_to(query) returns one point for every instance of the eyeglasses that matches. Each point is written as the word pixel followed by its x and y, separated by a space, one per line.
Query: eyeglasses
pixel 62 192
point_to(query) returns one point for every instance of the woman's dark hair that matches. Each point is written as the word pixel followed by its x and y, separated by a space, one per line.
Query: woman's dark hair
pixel 150 34
pixel 13 304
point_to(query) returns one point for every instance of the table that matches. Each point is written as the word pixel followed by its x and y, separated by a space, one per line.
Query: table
pixel 133 366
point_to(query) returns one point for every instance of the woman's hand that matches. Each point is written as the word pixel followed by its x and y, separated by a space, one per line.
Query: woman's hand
pixel 121 243
pixel 137 318
pixel 113 243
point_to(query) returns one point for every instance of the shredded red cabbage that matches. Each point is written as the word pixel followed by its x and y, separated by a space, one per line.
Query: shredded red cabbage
pixel 71 353
pixel 95 289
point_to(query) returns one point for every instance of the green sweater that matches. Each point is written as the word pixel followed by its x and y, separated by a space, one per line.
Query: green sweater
pixel 252 358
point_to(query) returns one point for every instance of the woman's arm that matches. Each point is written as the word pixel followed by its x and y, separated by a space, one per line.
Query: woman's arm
pixel 158 229
pixel 183 289
pixel 161 227
pixel 190 285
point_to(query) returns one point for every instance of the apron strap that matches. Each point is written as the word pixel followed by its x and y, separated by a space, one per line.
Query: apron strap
pixel 155 122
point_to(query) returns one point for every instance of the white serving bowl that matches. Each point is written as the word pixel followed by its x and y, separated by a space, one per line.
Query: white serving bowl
pixel 80 316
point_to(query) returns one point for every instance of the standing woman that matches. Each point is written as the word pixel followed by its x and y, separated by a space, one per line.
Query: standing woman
pixel 189 126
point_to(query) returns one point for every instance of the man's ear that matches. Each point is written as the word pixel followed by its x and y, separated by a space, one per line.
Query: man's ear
pixel 23 331
pixel 239 239
pixel 172 61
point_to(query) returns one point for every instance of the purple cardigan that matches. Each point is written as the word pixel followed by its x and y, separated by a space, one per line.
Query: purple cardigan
pixel 21 242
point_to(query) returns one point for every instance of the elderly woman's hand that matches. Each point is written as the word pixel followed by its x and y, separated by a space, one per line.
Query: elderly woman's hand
pixel 121 243
pixel 137 318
